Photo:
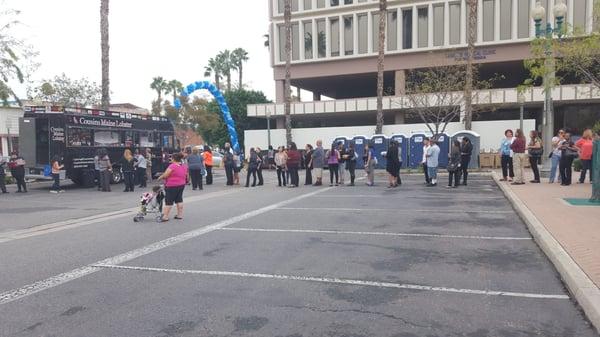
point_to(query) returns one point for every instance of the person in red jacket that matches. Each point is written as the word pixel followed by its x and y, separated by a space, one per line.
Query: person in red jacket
pixel 293 164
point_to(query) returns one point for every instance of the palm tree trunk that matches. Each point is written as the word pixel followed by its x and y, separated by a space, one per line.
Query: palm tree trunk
pixel 287 13
pixel 240 71
pixel 105 53
pixel 229 82
pixel 380 64
pixel 472 37
pixel 217 80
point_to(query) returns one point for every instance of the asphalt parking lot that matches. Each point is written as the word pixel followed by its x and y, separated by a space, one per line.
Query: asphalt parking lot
pixel 342 261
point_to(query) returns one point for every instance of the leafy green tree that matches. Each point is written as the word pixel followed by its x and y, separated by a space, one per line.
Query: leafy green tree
pixel 160 86
pixel 237 101
pixel 239 56
pixel 64 91
pixel 16 56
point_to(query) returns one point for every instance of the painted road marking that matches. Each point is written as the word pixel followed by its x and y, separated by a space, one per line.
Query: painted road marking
pixel 416 235
pixel 340 281
pixel 334 209
pixel 89 220
pixel 453 197
pixel 30 289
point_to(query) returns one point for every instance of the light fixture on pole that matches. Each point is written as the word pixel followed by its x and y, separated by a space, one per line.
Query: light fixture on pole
pixel 538 14
pixel 521 100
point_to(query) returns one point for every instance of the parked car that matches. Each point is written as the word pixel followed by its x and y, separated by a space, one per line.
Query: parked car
pixel 217 156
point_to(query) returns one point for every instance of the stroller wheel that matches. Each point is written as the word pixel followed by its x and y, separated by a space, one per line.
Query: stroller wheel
pixel 158 218
pixel 138 218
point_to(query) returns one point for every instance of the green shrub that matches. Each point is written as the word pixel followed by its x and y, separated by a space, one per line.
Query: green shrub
pixel 596 128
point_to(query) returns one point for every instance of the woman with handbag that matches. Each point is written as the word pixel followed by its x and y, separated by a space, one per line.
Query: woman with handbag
pixel 518 147
pixel 568 153
pixel 535 151
pixel 454 165
pixel 253 163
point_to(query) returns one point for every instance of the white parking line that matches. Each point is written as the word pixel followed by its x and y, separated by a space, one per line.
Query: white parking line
pixel 450 196
pixel 415 235
pixel 30 289
pixel 89 220
pixel 396 210
pixel 340 281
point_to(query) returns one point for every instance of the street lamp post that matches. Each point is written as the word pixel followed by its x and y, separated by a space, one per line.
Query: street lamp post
pixel 538 14
pixel 521 99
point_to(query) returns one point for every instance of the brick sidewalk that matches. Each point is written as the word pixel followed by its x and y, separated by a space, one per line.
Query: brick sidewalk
pixel 576 228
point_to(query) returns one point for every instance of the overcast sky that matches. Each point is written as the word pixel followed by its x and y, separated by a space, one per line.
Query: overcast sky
pixel 148 38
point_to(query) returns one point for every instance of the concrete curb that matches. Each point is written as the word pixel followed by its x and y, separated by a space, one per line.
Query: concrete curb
pixel 579 284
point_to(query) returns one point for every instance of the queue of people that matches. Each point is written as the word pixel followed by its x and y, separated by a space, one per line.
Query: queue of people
pixel 516 151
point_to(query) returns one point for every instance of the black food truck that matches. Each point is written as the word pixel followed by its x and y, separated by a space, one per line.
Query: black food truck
pixel 76 134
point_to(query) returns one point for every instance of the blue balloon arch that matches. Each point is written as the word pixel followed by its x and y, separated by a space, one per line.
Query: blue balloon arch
pixel 235 144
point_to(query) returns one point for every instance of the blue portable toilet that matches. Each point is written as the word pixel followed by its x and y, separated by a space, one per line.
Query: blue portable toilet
pixel 443 141
pixel 342 139
pixel 380 144
pixel 402 141
pixel 416 150
pixel 475 139
pixel 359 147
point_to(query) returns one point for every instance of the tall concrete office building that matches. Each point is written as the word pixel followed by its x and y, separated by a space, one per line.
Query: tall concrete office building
pixel 334 57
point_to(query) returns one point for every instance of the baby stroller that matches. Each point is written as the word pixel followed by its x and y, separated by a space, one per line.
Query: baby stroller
pixel 151 203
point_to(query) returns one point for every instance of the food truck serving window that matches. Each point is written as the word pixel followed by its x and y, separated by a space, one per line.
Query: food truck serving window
pixel 79 137
pixel 146 139
pixel 107 138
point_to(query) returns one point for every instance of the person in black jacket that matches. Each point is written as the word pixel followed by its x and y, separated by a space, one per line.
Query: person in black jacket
pixel 228 163
pixel 17 170
pixel 2 176
pixel 351 162
pixel 259 168
pixel 308 164
pixel 253 163
pixel 455 164
pixel 393 164
pixel 466 149
pixel 128 169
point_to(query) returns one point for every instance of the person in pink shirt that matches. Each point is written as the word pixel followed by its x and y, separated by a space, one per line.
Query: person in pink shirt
pixel 586 148
pixel 175 178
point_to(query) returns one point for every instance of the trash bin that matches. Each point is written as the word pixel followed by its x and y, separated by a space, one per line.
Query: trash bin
pixel 443 141
pixel 380 144
pixel 402 141
pixel 416 150
pixel 359 147
pixel 476 141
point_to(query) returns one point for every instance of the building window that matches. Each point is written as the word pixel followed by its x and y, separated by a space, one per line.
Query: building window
pixel 506 19
pixel 334 25
pixel 308 40
pixel 334 3
pixel 423 27
pixel 295 5
pixel 488 20
pixel 524 19
pixel 295 41
pixel 579 15
pixel 348 2
pixel 392 30
pixel 320 3
pixel 407 28
pixel 307 4
pixel 281 29
pixel 363 33
pixel 348 35
pixel 321 32
pixel 375 31
pixel 455 17
pixel 438 25
pixel 281 6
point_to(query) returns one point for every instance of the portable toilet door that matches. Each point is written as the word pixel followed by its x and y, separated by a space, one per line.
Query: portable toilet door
pixel 475 139
pixel 443 141
pixel 416 150
pixel 380 144
pixel 402 146
pixel 359 147
pixel 344 140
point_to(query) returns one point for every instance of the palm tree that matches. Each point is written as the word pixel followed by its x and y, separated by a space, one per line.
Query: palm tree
pixel 213 68
pixel 105 53
pixel 175 86
pixel 472 37
pixel 160 85
pixel 380 65
pixel 239 56
pixel 287 15
pixel 226 65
